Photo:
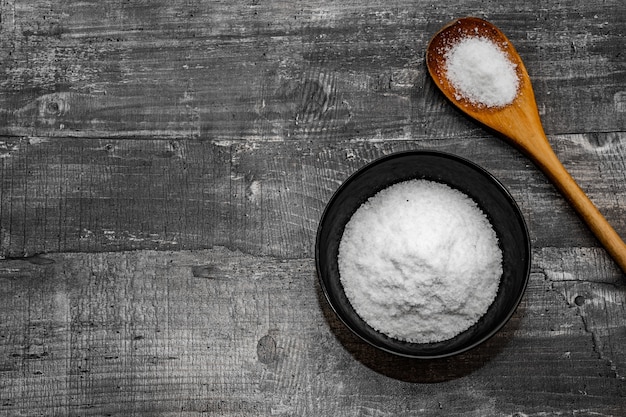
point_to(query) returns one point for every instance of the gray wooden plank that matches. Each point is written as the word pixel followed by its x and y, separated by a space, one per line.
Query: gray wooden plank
pixel 222 332
pixel 277 70
pixel 262 198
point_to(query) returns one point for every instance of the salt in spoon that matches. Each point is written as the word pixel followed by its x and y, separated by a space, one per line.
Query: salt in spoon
pixel 519 122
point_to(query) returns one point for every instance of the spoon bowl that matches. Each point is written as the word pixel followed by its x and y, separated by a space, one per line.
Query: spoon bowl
pixel 518 121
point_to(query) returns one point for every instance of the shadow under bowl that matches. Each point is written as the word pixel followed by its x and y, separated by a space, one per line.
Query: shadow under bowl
pixel 488 193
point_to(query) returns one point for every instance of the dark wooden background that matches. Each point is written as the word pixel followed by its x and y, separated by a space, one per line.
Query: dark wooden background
pixel 163 168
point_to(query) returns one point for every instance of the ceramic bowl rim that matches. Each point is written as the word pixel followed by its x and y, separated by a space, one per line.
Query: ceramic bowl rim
pixel 464 161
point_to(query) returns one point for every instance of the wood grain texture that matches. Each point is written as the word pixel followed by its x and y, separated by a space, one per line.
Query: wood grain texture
pixel 219 332
pixel 163 168
pixel 104 195
pixel 276 70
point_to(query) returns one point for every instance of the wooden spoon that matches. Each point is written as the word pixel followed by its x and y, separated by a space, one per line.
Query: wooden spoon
pixel 519 122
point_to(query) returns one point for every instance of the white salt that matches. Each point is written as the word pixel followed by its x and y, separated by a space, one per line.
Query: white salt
pixel 481 72
pixel 420 262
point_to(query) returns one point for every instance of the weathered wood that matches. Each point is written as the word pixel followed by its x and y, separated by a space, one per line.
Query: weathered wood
pixel 163 168
pixel 219 332
pixel 278 70
pixel 102 195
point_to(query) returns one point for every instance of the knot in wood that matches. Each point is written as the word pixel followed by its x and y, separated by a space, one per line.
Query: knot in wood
pixel 266 350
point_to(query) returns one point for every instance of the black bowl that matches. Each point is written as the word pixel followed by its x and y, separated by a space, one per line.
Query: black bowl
pixel 488 193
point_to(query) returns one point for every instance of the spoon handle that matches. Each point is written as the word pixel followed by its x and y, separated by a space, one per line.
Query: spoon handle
pixel 549 163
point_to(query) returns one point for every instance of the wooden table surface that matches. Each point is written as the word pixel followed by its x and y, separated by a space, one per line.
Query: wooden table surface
pixel 163 168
